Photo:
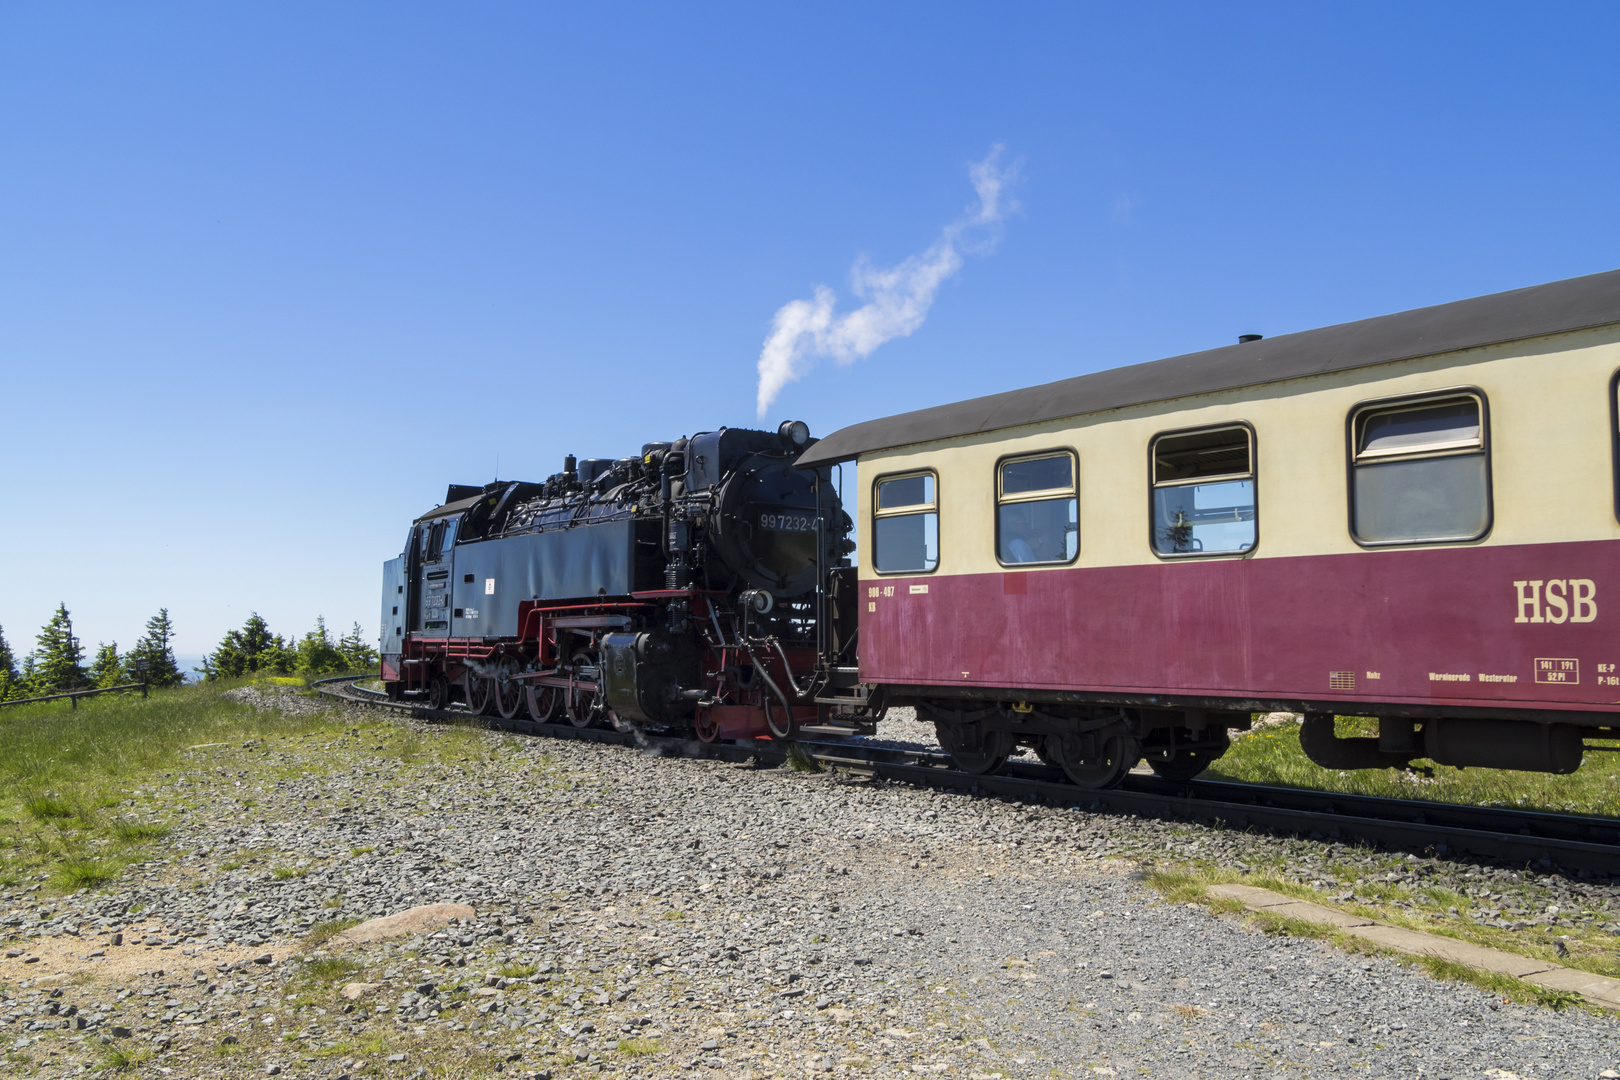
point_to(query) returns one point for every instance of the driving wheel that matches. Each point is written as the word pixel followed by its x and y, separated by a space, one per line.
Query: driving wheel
pixel 480 694
pixel 509 696
pixel 1093 762
pixel 974 750
pixel 580 705
pixel 542 702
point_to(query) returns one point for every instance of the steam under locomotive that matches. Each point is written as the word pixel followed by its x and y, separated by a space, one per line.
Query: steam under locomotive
pixel 699 584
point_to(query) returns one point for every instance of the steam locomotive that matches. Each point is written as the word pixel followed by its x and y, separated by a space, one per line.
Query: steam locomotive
pixel 681 588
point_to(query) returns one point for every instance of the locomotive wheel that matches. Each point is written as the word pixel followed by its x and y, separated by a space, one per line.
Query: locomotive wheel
pixel 438 693
pixel 708 728
pixel 974 750
pixel 577 705
pixel 508 694
pixel 1110 761
pixel 542 701
pixel 1187 763
pixel 480 695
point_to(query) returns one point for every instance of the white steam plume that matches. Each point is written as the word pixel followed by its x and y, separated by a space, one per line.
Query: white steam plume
pixel 897 298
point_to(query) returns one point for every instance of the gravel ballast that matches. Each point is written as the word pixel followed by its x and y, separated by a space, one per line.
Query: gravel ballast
pixel 649 916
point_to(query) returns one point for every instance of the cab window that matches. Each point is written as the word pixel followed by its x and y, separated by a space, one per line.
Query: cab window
pixel 1037 513
pixel 1203 492
pixel 1420 471
pixel 905 525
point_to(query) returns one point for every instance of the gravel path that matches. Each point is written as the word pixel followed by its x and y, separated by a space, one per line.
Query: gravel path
pixel 641 916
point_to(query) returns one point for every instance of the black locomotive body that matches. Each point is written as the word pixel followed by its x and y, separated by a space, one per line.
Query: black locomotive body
pixel 683 587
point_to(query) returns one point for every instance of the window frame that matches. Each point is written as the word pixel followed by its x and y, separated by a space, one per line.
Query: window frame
pixel 913 508
pixel 1450 393
pixel 1253 476
pixel 1000 500
pixel 1614 436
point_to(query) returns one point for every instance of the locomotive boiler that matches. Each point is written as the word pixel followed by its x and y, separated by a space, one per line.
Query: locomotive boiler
pixel 684 587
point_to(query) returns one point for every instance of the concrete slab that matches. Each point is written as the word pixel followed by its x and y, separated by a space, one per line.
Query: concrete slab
pixel 1597 989
pixel 1316 913
pixel 1251 896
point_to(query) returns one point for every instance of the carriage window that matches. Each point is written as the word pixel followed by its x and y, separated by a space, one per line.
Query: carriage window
pixel 1419 472
pixel 1203 492
pixel 1037 514
pixel 905 526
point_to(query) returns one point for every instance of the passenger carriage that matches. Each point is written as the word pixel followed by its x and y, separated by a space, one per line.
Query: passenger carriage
pixel 1411 517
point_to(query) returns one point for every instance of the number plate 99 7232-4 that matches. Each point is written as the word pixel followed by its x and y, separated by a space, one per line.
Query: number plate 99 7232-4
pixel 788 522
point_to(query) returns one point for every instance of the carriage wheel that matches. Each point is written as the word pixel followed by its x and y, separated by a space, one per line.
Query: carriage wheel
pixel 580 706
pixel 480 695
pixel 708 727
pixel 974 750
pixel 1188 763
pixel 542 701
pixel 509 696
pixel 1094 763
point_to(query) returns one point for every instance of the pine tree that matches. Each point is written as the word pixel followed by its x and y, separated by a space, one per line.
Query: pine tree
pixel 60 658
pixel 357 651
pixel 10 680
pixel 107 668
pixel 158 652
pixel 316 653
pixel 250 649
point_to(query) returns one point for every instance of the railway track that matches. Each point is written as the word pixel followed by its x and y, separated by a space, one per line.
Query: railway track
pixel 1540 841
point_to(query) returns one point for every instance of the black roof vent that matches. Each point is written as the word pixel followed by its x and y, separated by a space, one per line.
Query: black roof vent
pixel 1244 339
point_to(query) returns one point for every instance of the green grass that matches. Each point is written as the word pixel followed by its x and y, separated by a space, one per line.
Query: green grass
pixel 1273 756
pixel 516 971
pixel 324 931
pixel 76 874
pixel 640 1047
pixel 61 769
pixel 799 759
pixel 328 968
pixel 287 873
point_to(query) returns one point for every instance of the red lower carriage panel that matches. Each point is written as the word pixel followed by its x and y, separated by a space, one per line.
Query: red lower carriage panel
pixel 1531 626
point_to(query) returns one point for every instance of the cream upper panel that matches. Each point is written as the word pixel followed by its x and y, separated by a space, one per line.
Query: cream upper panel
pixel 1549 430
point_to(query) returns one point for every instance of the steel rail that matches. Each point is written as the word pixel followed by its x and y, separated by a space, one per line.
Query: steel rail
pixel 1539 841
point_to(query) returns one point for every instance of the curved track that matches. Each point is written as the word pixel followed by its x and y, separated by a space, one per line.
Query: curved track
pixel 1543 841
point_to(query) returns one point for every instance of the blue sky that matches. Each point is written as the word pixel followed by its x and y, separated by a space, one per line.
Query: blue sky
pixel 272 275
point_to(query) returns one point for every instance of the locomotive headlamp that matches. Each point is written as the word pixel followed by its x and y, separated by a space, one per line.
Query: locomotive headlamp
pixel 759 601
pixel 794 433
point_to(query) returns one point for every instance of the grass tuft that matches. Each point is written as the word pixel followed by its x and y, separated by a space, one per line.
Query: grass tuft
pixel 516 971
pixel 47 808
pixel 328 968
pixel 77 874
pixel 134 832
pixel 640 1047
pixel 799 759
pixel 323 932
pixel 287 873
